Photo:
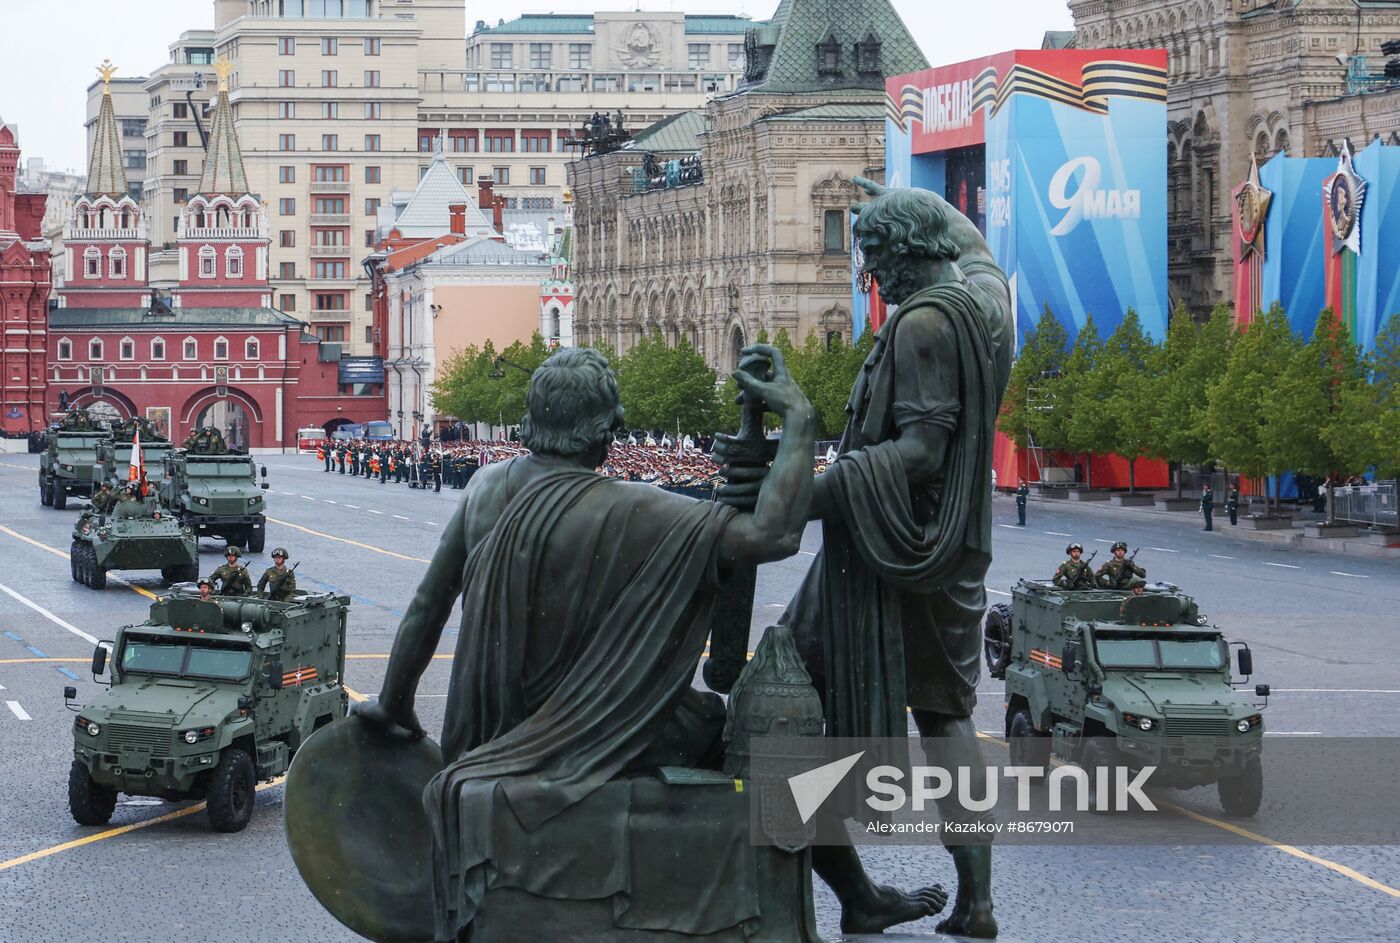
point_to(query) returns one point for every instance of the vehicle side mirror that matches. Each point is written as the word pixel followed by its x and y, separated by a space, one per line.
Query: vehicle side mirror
pixel 69 692
pixel 245 703
pixel 1069 656
pixel 1261 690
pixel 265 486
pixel 1246 659
pixel 99 660
pixel 274 674
pixel 264 471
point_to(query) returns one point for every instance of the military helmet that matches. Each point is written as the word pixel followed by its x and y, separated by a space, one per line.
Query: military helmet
pixel 232 550
pixel 204 581
pixel 280 552
pixel 1118 545
pixel 1075 546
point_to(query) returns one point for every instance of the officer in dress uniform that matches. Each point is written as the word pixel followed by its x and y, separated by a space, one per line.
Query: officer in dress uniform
pixel 1232 505
pixel 1022 494
pixel 1074 573
pixel 1207 505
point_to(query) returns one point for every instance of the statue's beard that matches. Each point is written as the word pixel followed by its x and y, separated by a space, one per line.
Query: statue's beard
pixel 896 284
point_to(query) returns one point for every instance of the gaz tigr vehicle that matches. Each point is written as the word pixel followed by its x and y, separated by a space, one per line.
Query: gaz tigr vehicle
pixel 65 466
pixel 216 496
pixel 207 699
pixel 135 535
pixel 114 455
pixel 1106 677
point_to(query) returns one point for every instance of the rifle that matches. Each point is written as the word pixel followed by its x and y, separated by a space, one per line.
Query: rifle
pixel 274 590
pixel 1088 567
pixel 1127 565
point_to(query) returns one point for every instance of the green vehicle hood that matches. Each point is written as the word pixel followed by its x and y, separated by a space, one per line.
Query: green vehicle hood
pixel 182 702
pixel 1158 692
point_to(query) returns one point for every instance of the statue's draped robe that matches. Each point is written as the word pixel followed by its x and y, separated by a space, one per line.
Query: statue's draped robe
pixel 585 613
pixel 889 614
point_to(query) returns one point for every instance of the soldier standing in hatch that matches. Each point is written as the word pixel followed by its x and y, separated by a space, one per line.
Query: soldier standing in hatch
pixel 102 501
pixel 1232 505
pixel 277 582
pixel 1074 573
pixel 232 578
pixel 1119 572
pixel 1022 495
pixel 1207 505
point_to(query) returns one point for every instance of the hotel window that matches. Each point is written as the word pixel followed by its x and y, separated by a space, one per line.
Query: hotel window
pixel 206 262
pixel 372 173
pixel 372 111
pixel 328 204
pixel 736 56
pixel 536 176
pixel 330 142
pixel 330 46
pixel 233 262
pixel 580 56
pixel 286 109
pixel 250 349
pixel 425 143
pixel 372 45
pixel 501 175
pixel 331 333
pixel 465 175
pixel 286 78
pixel 157 349
pixel 369 238
pixel 372 206
pixel 330 269
pixel 371 78
pixel 326 301
pixel 500 142
pixel 181 168
pixel 65 349
pixel 286 270
pixel 127 349
pixel 372 142
pixel 181 139
pixel 286 174
pixel 605 83
pixel 541 55
pixel 94 349
pixel 287 302
pixel 330 78
pixel 500 55
pixel 116 262
pixel 179 110
pixel 698 55
pixel 180 194
pixel 92 262
pixel 191 349
pixel 286 238
pixel 286 46
pixel 220 349
pixel 330 111
pixel 286 142
pixel 332 173
pixel 287 206
pixel 534 142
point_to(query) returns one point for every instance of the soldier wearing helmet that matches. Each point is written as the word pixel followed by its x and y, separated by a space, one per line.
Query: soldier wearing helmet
pixel 1119 572
pixel 232 578
pixel 1074 573
pixel 277 582
pixel 206 589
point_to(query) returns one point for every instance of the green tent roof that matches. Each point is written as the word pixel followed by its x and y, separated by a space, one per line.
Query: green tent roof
pixel 791 38
pixel 679 132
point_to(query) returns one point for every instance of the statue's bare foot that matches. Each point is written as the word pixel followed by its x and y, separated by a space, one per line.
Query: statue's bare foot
pixel 882 907
pixel 974 920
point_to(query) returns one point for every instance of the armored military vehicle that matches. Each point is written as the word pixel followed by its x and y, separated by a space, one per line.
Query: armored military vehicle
pixel 216 495
pixel 65 466
pixel 1110 677
pixel 134 535
pixel 207 699
pixel 114 455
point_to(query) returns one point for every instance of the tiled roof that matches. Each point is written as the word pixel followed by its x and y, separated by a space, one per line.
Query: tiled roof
pixel 1058 39
pixel 426 213
pixel 677 133
pixel 833 111
pixel 718 24
pixel 799 26
pixel 482 251
pixel 106 172
pixel 183 319
pixel 223 162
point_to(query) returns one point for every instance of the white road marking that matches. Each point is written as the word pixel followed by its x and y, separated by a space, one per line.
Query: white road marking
pixel 1164 549
pixel 1102 540
pixel 431 523
pixel 329 501
pixel 2 687
pixel 1286 566
pixel 353 507
pixel 1355 576
pixel 18 711
pixel 1056 533
pixel 373 511
pixel 91 639
pixel 807 553
pixel 1219 556
pixel 308 497
pixel 288 492
pixel 998 592
pixel 1293 733
pixel 1336 690
pixel 399 516
pixel 1010 526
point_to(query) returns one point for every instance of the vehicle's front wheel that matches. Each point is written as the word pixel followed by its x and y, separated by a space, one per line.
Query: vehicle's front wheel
pixel 256 540
pixel 97 573
pixel 91 803
pixel 1242 794
pixel 58 496
pixel 231 791
pixel 1029 747
pixel 75 552
pixel 45 497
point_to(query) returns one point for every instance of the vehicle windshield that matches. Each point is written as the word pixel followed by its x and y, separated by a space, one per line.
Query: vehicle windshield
pixel 184 659
pixel 1173 653
pixel 219 469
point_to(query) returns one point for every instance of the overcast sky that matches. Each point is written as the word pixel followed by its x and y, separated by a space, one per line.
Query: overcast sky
pixel 49 48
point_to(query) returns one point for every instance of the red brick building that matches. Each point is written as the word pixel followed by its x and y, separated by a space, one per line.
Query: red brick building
pixel 209 349
pixel 25 281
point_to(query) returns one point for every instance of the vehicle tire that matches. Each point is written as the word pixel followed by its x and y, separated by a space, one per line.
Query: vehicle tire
pixel 59 496
pixel 256 540
pixel 45 497
pixel 996 639
pixel 1029 747
pixel 1241 795
pixel 231 791
pixel 91 803
pixel 97 571
pixel 75 553
pixel 1093 755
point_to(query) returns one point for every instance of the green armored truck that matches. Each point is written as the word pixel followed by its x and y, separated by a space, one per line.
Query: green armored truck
pixel 65 466
pixel 114 455
pixel 216 495
pixel 208 698
pixel 1113 677
pixel 133 534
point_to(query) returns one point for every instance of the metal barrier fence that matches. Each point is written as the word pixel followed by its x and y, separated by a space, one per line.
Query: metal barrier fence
pixel 1372 504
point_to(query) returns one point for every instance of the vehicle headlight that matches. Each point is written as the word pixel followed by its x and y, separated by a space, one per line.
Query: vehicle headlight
pixel 253 501
pixel 1139 721
pixel 197 734
pixel 202 502
pixel 93 729
pixel 1245 725
pixel 1145 723
pixel 191 736
pixel 67 467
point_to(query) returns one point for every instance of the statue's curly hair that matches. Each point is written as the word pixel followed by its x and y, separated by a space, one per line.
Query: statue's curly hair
pixel 572 405
pixel 905 221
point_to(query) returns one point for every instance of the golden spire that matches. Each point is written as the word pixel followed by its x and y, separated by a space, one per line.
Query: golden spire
pixel 106 70
pixel 223 68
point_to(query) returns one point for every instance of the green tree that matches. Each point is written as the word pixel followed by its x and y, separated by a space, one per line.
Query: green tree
pixel 1190 361
pixel 511 378
pixel 1042 355
pixel 1074 422
pixel 1384 367
pixel 667 388
pixel 1122 383
pixel 464 388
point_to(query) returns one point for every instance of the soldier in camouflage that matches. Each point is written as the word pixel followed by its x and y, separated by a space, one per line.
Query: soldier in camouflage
pixel 1074 573
pixel 231 578
pixel 1119 572
pixel 277 582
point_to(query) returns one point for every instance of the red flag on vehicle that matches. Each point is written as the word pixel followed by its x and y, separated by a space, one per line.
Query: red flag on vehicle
pixel 137 471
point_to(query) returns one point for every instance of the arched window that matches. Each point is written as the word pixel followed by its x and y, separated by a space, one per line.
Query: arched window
pixel 116 262
pixel 126 350
pixel 191 349
pixel 95 349
pixel 65 349
pixel 206 262
pixel 158 349
pixel 92 262
pixel 250 349
pixel 220 348
pixel 233 262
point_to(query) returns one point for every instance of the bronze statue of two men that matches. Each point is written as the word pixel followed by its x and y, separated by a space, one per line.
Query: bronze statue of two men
pixel 586 601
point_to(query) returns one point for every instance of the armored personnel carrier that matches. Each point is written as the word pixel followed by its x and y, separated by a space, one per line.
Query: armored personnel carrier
pixel 65 466
pixel 1112 677
pixel 134 535
pixel 207 699
pixel 216 495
